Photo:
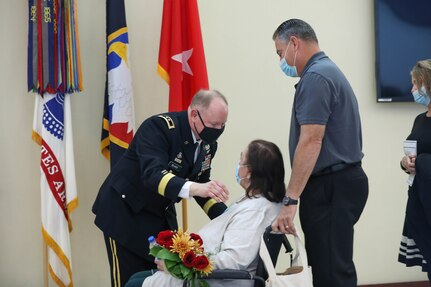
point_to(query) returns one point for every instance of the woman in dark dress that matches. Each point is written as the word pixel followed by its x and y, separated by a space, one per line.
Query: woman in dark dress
pixel 415 249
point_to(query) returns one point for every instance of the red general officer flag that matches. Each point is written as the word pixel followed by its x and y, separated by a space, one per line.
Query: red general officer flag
pixel 181 53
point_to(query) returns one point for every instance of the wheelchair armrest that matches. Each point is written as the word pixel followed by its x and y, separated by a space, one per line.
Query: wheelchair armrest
pixel 231 274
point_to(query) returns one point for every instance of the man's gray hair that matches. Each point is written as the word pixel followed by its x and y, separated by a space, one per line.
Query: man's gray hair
pixel 203 98
pixel 297 28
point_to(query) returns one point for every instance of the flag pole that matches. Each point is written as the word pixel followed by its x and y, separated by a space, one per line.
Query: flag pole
pixel 184 212
pixel 180 35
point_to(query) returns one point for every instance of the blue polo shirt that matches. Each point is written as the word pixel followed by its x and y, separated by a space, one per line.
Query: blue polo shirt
pixel 324 97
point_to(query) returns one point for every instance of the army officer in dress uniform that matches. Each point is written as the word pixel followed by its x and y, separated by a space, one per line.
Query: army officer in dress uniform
pixel 168 159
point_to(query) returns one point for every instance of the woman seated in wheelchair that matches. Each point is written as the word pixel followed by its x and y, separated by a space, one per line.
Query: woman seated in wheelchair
pixel 233 238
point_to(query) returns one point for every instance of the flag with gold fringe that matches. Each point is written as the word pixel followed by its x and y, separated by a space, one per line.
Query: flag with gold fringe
pixel 52 130
pixel 54 73
pixel 181 57
pixel 118 116
pixel 181 53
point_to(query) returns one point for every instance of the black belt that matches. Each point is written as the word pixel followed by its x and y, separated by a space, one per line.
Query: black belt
pixel 334 168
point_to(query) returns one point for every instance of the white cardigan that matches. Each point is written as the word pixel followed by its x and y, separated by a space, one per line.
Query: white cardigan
pixel 233 239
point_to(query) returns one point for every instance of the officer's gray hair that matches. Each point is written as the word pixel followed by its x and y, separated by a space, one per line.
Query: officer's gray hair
pixel 203 98
pixel 297 28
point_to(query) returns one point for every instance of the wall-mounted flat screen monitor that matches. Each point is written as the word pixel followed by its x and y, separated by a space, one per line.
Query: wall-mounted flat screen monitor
pixel 403 36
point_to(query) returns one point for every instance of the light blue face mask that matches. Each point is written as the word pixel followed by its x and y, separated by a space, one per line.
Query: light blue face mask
pixel 290 71
pixel 237 177
pixel 421 97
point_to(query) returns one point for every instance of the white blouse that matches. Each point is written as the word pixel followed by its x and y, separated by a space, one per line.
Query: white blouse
pixel 233 239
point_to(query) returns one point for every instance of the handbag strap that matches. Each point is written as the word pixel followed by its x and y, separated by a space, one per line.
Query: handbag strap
pixel 266 258
pixel 301 251
pixel 264 254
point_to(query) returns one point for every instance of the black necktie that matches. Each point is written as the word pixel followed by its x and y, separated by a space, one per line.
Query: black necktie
pixel 197 151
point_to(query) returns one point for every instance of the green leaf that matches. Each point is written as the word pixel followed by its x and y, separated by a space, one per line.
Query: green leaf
pixel 155 250
pixel 204 283
pixel 186 272
pixel 174 269
pixel 167 255
pixel 170 265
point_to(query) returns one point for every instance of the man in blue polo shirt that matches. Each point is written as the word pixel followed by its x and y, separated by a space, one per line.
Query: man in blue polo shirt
pixel 325 148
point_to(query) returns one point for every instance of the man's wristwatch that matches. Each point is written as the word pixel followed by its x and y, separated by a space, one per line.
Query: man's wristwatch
pixel 289 201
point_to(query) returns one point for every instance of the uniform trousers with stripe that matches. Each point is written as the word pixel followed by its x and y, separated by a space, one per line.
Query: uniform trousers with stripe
pixel 124 263
pixel 330 206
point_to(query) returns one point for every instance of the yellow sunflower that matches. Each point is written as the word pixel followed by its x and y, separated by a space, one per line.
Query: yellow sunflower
pixel 181 243
pixel 197 248
pixel 180 232
pixel 207 269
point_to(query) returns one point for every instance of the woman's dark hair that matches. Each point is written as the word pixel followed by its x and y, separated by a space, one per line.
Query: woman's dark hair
pixel 265 161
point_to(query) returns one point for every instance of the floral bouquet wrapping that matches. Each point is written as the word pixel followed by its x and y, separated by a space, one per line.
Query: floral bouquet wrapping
pixel 183 255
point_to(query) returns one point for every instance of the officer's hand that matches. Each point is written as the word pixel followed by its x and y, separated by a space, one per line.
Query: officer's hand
pixel 213 189
pixel 284 220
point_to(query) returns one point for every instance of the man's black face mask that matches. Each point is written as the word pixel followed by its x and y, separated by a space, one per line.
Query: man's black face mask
pixel 209 135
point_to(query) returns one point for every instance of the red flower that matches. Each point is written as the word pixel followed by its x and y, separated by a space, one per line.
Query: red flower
pixel 201 262
pixel 197 238
pixel 188 259
pixel 165 238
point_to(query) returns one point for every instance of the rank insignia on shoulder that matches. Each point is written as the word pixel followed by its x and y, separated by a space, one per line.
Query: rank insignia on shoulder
pixel 168 120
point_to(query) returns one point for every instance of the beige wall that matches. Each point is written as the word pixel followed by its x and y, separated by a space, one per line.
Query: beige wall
pixel 242 64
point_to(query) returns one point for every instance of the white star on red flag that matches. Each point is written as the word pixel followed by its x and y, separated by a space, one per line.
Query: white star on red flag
pixel 183 58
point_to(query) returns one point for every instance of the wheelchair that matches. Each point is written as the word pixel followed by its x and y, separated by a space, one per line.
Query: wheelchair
pixel 273 242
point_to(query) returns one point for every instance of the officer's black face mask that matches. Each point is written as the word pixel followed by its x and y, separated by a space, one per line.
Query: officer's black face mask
pixel 208 134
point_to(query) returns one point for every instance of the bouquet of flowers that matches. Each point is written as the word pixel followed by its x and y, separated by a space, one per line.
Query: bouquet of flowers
pixel 183 255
